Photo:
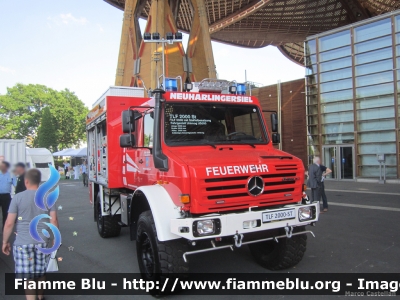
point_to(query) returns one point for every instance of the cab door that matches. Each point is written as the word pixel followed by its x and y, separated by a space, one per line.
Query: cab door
pixel 146 174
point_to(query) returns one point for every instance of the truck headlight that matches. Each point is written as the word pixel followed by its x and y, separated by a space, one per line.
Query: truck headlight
pixel 206 227
pixel 305 213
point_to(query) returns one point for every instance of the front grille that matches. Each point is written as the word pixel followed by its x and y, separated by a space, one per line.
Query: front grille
pixel 234 189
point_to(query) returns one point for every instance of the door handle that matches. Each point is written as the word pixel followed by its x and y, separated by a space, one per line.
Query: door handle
pixel 140 161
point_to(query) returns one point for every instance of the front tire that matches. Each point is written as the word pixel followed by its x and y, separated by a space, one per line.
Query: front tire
pixel 107 226
pixel 157 259
pixel 282 255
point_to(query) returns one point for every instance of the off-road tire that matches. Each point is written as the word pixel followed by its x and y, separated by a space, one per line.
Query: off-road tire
pixel 167 257
pixel 278 256
pixel 107 226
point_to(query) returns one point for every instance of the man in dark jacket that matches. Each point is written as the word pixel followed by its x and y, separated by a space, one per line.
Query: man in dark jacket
pixel 314 179
pixel 20 171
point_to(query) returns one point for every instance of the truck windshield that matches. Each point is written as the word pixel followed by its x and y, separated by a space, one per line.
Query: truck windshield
pixel 210 123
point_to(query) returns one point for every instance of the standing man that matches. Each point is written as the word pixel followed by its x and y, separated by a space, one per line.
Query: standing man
pixel 20 170
pixel 325 171
pixel 314 179
pixel 30 263
pixel 84 173
pixel 6 181
pixel 66 168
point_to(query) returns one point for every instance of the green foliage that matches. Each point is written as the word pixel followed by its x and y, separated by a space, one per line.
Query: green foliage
pixel 22 111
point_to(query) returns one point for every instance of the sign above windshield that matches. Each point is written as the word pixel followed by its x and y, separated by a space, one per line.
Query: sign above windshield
pixel 179 96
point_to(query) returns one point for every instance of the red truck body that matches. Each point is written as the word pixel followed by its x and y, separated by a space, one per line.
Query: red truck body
pixel 215 179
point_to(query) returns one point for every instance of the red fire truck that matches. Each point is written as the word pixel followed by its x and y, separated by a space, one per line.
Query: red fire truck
pixel 191 172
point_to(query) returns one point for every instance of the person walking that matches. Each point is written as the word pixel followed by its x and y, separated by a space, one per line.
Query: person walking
pixel 325 171
pixel 20 181
pixel 314 179
pixel 30 263
pixel 84 173
pixel 6 181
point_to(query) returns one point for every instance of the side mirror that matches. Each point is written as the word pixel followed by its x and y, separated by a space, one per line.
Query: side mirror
pixel 276 138
pixel 274 122
pixel 127 140
pixel 128 121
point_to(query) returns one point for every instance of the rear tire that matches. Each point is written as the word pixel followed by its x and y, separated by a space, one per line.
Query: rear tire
pixel 156 259
pixel 278 256
pixel 107 226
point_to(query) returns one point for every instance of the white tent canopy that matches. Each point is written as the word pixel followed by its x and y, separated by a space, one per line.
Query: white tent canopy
pixel 72 152
pixel 63 152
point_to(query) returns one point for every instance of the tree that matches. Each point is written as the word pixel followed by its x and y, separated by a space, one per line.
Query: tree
pixel 22 108
pixel 47 137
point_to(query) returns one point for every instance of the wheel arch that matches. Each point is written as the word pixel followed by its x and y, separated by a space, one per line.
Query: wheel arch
pixel 156 199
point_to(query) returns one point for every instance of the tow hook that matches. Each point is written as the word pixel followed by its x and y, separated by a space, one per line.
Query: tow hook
pixel 238 239
pixel 289 231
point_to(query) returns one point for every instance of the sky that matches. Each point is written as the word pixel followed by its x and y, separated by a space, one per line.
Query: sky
pixel 74 44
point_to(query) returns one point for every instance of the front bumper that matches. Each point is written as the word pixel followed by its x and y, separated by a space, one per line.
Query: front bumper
pixel 231 224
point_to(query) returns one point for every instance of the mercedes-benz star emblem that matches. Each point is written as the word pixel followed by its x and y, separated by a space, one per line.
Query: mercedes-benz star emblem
pixel 255 185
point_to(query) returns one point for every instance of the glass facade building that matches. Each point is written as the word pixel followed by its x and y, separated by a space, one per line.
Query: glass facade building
pixel 352 97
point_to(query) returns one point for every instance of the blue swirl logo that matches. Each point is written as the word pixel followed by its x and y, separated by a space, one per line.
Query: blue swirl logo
pixel 45 203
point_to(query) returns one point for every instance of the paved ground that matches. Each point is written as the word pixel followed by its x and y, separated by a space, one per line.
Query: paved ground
pixel 358 234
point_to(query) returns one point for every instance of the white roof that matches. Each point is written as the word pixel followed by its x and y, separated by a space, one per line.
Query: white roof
pixel 38 151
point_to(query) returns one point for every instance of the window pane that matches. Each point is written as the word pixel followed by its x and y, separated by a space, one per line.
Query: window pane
pixel 334 40
pixel 373 30
pixel 336 85
pixel 310 60
pixel 374 137
pixel 374 67
pixel 373 56
pixel 376 113
pixel 338 128
pixel 312 110
pixel 312 100
pixel 311 89
pixel 311 70
pixel 313 130
pixel 335 75
pixel 312 79
pixel 313 140
pixel 336 53
pixel 374 78
pixel 376 90
pixel 337 117
pixel 397 19
pixel 371 160
pixel 310 47
pixel 336 107
pixel 373 44
pixel 312 120
pixel 377 148
pixel 374 171
pixel 376 125
pixel 337 96
pixel 339 138
pixel 335 64
pixel 379 101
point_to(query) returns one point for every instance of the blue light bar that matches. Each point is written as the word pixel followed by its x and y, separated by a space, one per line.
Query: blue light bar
pixel 171 85
pixel 241 89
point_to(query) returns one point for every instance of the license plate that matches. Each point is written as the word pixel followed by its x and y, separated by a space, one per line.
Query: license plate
pixel 278 215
